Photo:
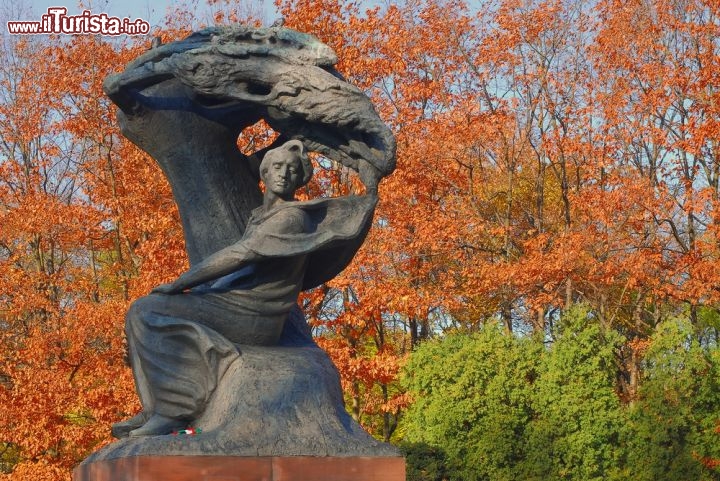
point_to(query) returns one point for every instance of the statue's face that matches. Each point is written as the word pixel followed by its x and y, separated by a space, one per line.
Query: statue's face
pixel 283 175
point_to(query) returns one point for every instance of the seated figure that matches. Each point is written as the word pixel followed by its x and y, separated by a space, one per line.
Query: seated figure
pixel 183 336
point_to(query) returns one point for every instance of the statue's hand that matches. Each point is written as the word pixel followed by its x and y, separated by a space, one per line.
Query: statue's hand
pixel 166 289
pixel 369 176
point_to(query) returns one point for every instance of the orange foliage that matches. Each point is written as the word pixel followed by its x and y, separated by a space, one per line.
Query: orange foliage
pixel 88 223
pixel 549 152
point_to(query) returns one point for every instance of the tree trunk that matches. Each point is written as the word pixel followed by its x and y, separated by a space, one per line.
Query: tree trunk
pixel 211 181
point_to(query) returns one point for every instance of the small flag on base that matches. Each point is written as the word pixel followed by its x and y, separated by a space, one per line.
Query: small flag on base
pixel 188 431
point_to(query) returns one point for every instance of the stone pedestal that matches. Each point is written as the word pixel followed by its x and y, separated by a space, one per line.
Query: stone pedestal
pixel 238 468
pixel 277 415
pixel 272 402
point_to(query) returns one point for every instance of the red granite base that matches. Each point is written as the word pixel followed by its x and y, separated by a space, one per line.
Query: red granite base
pixel 228 468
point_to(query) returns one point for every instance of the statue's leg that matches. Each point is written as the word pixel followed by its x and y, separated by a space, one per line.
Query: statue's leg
pixel 141 383
pixel 176 360
pixel 123 428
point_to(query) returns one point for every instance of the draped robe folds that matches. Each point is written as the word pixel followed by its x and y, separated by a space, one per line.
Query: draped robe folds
pixel 180 345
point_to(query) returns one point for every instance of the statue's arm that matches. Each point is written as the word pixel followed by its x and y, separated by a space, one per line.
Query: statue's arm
pixel 223 262
pixel 232 258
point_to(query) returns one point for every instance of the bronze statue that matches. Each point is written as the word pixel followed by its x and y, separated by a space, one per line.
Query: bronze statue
pixel 224 347
pixel 178 335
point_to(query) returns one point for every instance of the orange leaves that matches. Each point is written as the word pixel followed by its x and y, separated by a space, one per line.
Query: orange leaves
pixel 80 210
pixel 381 368
pixel 41 470
pixel 71 380
pixel 547 152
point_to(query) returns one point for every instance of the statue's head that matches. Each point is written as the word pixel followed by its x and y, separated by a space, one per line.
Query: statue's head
pixel 286 168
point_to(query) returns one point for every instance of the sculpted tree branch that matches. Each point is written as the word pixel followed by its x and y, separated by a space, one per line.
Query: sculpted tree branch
pixel 222 80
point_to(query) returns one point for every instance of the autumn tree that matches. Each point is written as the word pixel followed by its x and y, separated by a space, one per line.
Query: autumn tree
pixel 545 157
pixel 88 224
pixel 51 234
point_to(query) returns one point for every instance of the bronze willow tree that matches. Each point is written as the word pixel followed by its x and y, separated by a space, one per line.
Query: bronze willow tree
pixel 185 103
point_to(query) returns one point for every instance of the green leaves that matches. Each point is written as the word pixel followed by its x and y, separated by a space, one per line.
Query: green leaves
pixel 673 421
pixel 500 407
pixel 472 399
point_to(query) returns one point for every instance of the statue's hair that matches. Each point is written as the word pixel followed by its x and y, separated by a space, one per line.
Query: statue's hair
pixel 294 147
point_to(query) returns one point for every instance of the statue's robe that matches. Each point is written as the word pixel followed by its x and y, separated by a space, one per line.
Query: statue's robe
pixel 180 345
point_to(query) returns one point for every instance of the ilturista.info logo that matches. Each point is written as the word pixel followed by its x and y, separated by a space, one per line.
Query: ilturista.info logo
pixel 57 21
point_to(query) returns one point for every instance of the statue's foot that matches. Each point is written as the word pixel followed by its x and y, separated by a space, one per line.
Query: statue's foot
pixel 123 428
pixel 158 425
